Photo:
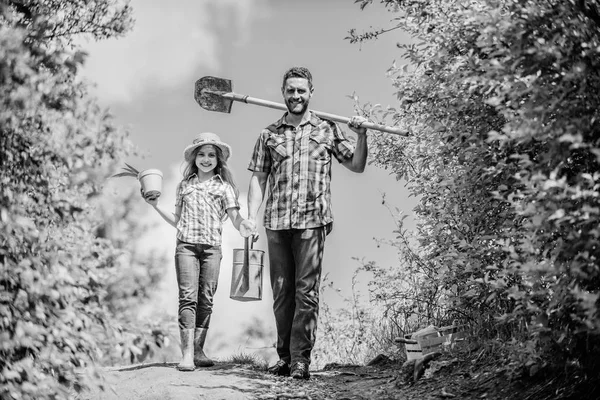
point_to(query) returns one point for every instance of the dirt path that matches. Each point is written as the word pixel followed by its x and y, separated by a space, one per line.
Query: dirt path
pixel 233 382
pixel 448 378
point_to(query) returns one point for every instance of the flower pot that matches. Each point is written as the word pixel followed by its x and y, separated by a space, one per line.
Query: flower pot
pixel 151 181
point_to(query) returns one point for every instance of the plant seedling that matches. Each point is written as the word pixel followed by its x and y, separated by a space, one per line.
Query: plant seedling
pixel 133 172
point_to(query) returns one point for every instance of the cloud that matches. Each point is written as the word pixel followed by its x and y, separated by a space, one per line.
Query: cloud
pixel 169 42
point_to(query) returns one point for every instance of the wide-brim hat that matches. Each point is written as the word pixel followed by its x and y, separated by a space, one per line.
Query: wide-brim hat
pixel 207 138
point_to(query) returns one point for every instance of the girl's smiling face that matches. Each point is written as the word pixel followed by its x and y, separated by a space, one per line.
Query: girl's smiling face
pixel 206 158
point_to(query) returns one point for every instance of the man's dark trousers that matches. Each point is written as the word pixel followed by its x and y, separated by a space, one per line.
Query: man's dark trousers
pixel 295 259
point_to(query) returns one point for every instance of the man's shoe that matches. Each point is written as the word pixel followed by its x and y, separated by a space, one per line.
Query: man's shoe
pixel 300 370
pixel 280 368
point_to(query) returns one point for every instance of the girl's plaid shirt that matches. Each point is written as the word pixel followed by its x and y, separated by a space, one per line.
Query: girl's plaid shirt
pixel 203 209
pixel 298 161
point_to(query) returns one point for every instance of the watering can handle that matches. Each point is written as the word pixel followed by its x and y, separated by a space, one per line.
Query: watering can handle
pixel 246 254
pixel 246 267
pixel 247 240
pixel 247 248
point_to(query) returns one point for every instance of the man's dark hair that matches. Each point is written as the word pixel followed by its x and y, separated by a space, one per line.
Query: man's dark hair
pixel 297 72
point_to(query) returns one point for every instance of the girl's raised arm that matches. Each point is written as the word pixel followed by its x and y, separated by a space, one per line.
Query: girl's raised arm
pixel 170 217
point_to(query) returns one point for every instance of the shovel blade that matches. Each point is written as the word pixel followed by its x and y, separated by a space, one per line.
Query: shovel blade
pixel 208 93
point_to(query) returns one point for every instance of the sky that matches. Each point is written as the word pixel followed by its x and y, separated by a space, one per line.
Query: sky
pixel 147 80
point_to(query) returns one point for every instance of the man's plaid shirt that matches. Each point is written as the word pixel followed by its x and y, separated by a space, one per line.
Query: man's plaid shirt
pixel 298 161
pixel 203 208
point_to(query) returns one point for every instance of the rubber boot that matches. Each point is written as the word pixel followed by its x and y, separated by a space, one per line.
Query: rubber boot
pixel 187 350
pixel 200 359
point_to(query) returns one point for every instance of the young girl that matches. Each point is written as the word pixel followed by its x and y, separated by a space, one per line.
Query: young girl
pixel 204 198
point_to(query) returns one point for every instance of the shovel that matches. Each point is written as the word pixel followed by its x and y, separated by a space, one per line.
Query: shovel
pixel 214 94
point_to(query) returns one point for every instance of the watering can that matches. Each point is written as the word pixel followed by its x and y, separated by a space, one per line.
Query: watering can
pixel 247 272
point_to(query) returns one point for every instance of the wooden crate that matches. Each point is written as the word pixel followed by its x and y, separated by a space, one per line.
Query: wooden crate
pixel 420 345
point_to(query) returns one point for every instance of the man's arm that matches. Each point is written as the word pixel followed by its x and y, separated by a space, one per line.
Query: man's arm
pixel 359 159
pixel 256 192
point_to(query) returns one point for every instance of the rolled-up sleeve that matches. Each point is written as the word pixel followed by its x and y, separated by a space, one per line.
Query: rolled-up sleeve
pixel 229 199
pixel 178 197
pixel 261 157
pixel 342 148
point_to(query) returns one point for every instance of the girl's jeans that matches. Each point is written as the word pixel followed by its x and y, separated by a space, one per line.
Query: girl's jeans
pixel 197 267
pixel 295 258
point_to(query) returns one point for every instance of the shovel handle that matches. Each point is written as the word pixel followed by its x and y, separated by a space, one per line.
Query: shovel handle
pixel 337 118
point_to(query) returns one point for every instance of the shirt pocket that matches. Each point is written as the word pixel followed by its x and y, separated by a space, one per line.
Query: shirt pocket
pixel 186 194
pixel 216 203
pixel 187 191
pixel 319 147
pixel 277 146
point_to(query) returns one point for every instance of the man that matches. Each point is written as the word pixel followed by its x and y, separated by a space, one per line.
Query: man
pixel 294 156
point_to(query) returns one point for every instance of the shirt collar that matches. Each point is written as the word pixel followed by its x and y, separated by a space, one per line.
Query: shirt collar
pixel 195 177
pixel 312 119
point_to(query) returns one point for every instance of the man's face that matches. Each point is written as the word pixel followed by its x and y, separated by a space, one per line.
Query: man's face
pixel 297 94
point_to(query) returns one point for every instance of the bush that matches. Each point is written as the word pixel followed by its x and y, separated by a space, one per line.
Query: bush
pixel 56 149
pixel 502 99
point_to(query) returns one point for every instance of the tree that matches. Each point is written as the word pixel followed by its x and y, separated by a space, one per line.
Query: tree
pixel 502 99
pixel 56 148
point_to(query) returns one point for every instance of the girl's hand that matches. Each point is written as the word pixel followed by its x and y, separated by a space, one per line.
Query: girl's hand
pixel 153 201
pixel 248 228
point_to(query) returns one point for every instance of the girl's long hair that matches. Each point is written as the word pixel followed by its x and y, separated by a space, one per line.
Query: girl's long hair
pixel 221 169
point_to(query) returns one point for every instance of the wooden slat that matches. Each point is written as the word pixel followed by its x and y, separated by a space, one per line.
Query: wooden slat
pixel 432 341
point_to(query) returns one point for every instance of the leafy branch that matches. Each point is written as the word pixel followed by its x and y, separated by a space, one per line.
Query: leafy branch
pixel 371 35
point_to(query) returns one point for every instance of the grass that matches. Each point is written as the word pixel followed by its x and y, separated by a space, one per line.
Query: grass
pixel 251 360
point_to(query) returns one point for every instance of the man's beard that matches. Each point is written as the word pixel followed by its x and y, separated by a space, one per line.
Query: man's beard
pixel 302 109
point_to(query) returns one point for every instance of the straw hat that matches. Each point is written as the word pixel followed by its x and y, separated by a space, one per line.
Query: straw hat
pixel 207 138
